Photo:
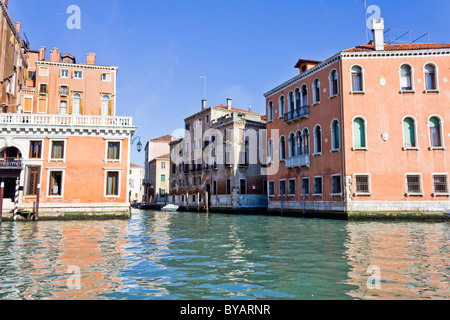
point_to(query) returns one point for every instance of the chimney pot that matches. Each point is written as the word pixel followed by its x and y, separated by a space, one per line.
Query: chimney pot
pixel 90 60
pixel 203 104
pixel 229 103
pixel 42 54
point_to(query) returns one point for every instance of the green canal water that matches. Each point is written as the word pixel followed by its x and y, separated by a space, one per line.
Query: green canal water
pixel 158 255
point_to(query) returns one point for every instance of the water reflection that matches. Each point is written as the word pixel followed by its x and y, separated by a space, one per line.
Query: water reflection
pixel 159 255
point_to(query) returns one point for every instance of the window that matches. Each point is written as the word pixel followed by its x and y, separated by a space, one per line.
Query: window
pixel 55 185
pixel 291 101
pixel 43 88
pixel 414 184
pixel 163 178
pixel 270 151
pixel 243 186
pixel 316 91
pixel 282 148
pixel 112 183
pixel 362 184
pixel 63 107
pixel 106 106
pixel 291 187
pixel 282 187
pixel 305 186
pixel 228 186
pixel 357 79
pixel 163 165
pixel 282 106
pixel 335 133
pixel 304 142
pixel 318 186
pixel 57 150
pixel 113 150
pixel 106 77
pixel 35 149
pixel 270 111
pixel 292 145
pixel 31 75
pixel 265 192
pixel 298 98
pixel 359 134
pixel 33 180
pixel 409 133
pixel 406 80
pixel 78 75
pixel 435 132
pixel 271 188
pixel 440 184
pixel 336 186
pixel 76 105
pixel 43 71
pixel 63 90
pixel 42 106
pixel 214 187
pixel 64 73
pixel 28 104
pixel 304 95
pixel 333 83
pixel 430 77
pixel 317 140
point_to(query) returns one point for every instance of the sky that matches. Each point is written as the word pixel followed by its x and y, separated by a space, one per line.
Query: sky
pixel 244 48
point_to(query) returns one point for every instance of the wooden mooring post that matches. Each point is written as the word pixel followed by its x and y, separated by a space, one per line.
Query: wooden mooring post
pixel 38 193
pixel 2 192
pixel 16 200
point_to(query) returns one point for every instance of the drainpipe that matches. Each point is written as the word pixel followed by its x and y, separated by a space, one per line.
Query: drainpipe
pixel 344 173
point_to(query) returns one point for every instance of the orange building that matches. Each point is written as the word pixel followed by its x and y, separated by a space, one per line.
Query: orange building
pixel 365 130
pixel 64 137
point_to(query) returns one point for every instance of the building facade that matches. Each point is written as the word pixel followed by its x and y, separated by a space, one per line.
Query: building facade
pixel 63 142
pixel 365 130
pixel 218 164
pixel 136 181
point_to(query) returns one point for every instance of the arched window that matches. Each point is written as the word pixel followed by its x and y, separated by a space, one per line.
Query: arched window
pixel 282 148
pixel 430 77
pixel 299 143
pixel 270 151
pixel 304 95
pixel 282 106
pixel 291 101
pixel 292 145
pixel 270 111
pixel 335 135
pixel 317 139
pixel 305 141
pixel 406 80
pixel 316 91
pixel 333 83
pixel 409 133
pixel 76 106
pixel 435 132
pixel 357 79
pixel 106 103
pixel 359 133
pixel 297 98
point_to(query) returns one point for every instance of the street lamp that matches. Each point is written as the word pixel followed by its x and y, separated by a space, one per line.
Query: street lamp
pixel 139 144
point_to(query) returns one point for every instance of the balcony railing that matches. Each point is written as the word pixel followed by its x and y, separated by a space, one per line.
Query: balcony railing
pixel 298 161
pixel 297 114
pixel 11 163
pixel 68 120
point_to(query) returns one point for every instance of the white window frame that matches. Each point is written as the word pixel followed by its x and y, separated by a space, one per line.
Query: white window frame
pixel 295 188
pixel 105 184
pixel 436 78
pixel 285 187
pixel 281 112
pixel 315 101
pixel 270 112
pixel 333 136
pixel 441 128
pixel 416 134
pixel 333 94
pixel 59 91
pixel 107 142
pixel 106 80
pixel 414 194
pixel 49 175
pixel 268 189
pixel 42 149
pixel 363 81
pixel 309 186
pixel 366 148
pixel 332 194
pixel 61 73
pixel 51 141
pixel 369 182
pixel 32 103
pixel 75 72
pixel 413 84
pixel 441 194
pixel 314 140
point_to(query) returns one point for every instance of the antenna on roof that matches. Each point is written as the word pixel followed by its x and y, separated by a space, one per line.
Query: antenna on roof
pixel 399 36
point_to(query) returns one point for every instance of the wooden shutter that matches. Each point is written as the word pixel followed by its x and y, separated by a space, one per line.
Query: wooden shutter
pixel 70 106
pixel 42 105
pixel 28 105
pixel 81 106
pixel 110 108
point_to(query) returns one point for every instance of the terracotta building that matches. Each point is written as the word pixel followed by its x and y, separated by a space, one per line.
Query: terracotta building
pixel 365 130
pixel 217 164
pixel 64 137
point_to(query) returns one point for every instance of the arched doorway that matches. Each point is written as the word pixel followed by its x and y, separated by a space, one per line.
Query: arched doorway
pixel 10 169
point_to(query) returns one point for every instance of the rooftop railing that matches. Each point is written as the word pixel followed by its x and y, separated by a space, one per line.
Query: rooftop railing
pixel 65 120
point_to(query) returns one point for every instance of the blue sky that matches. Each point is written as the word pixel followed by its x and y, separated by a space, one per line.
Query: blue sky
pixel 243 47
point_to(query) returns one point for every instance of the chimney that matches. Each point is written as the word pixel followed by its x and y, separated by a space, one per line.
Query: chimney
pixel 90 59
pixel 229 102
pixel 378 34
pixel 55 55
pixel 18 26
pixel 42 54
pixel 203 104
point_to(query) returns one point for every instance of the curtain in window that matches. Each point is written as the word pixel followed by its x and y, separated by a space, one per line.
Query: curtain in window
pixel 357 79
pixel 113 188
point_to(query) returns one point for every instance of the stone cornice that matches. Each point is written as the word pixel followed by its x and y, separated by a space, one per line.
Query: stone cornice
pixel 77 65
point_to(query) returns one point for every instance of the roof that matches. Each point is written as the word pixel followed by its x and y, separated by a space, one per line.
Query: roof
pixel 233 109
pixel 399 47
pixel 133 165
pixel 302 61
pixel 166 138
pixel 165 156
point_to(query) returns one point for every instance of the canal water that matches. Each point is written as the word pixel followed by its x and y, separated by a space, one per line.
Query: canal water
pixel 190 256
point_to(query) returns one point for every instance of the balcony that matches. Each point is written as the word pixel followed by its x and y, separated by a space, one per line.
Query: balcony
pixel 298 161
pixel 297 114
pixel 10 163
pixel 65 120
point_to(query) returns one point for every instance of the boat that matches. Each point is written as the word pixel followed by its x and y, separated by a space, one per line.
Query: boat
pixel 447 212
pixel 170 207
